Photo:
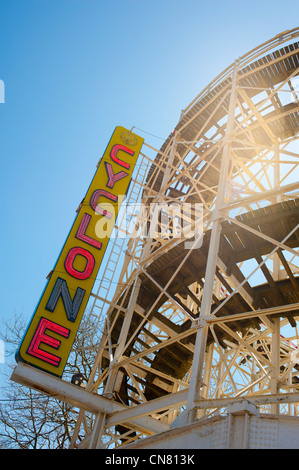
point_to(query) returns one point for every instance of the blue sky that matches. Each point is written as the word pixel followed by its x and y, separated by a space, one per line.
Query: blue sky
pixel 75 69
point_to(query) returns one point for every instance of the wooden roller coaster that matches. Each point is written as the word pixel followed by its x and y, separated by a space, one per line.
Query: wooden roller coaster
pixel 189 323
pixel 206 322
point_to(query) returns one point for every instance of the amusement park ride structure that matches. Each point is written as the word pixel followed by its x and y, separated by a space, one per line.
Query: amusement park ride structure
pixel 193 326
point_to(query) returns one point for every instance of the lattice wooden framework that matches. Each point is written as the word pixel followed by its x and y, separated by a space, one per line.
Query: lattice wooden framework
pixel 187 330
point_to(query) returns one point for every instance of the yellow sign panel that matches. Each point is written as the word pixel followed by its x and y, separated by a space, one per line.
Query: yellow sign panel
pixel 52 330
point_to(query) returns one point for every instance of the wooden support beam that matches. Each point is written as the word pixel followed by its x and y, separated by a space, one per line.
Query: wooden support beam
pixel 173 400
pixel 255 399
pixel 78 397
pixel 289 273
pixel 275 289
pixel 256 313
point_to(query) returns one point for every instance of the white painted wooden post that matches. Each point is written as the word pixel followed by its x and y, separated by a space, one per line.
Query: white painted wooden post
pixel 205 311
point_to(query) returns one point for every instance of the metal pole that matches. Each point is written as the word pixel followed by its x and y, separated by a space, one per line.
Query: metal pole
pixel 276 262
pixel 275 352
pixel 202 327
pixel 275 359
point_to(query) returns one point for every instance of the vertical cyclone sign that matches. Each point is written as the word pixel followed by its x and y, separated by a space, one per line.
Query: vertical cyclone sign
pixel 52 330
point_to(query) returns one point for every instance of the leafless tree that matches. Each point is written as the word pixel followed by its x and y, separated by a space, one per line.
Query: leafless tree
pixel 29 419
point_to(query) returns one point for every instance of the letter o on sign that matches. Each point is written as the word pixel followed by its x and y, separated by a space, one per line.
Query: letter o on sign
pixel 90 261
